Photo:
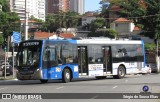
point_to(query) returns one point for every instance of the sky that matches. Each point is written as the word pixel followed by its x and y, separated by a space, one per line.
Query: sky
pixel 92 5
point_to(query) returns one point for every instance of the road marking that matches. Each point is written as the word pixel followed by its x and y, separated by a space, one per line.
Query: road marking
pixel 126 80
pixel 59 88
pixel 3 88
pixel 94 97
pixel 115 87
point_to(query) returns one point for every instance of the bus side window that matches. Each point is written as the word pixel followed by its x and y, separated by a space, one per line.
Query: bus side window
pixel 49 58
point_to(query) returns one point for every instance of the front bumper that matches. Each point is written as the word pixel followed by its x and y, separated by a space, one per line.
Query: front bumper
pixel 35 76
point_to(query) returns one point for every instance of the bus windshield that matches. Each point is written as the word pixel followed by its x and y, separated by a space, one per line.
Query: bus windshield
pixel 29 56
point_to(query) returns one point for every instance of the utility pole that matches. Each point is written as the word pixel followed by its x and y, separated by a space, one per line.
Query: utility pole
pixel 5 60
pixel 13 59
pixel 157 58
pixel 26 21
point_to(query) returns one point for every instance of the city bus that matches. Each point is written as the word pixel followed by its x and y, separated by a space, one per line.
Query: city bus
pixel 68 59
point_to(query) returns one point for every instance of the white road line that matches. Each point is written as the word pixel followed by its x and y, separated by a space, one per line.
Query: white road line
pixel 115 87
pixel 126 80
pixel 94 97
pixel 59 88
pixel 3 88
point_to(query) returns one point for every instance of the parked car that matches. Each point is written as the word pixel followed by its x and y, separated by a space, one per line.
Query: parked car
pixel 3 64
pixel 9 70
pixel 153 67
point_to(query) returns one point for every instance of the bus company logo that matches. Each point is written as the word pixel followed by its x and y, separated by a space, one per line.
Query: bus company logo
pixel 6 96
pixel 58 69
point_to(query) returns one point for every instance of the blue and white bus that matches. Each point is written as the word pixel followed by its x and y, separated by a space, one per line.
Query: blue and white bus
pixel 68 59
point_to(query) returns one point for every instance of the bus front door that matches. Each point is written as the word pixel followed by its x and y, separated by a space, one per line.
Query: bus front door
pixel 82 60
pixel 107 62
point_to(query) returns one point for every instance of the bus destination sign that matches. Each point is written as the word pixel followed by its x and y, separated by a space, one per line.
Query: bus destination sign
pixel 31 44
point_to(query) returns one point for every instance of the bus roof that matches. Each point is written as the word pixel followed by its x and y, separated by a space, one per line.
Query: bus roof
pixel 94 40
pixel 98 40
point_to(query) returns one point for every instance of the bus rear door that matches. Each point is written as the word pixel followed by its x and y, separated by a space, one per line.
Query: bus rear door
pixel 107 59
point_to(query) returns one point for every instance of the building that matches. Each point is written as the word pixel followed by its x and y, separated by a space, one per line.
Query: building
pixel 77 6
pixel 54 6
pixel 46 35
pixel 88 18
pixel 123 26
pixel 35 8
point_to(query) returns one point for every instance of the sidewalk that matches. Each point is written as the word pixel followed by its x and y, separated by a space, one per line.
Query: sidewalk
pixel 8 78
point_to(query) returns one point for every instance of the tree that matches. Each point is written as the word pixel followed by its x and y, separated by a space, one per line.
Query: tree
pixel 131 10
pixel 97 24
pixel 9 21
pixel 71 19
pixel 51 24
pixel 5 5
pixel 110 33
pixel 61 20
pixel 152 23
pixel 144 14
pixel 1 39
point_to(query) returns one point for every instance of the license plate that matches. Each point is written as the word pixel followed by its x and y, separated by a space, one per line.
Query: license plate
pixel 26 77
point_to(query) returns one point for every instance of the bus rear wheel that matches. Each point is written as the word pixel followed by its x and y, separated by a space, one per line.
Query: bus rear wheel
pixel 43 81
pixel 121 73
pixel 66 76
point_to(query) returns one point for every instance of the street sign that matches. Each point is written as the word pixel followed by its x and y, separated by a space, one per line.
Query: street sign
pixel 16 37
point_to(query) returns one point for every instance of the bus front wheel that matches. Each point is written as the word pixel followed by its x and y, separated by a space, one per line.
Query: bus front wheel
pixel 43 81
pixel 66 76
pixel 121 73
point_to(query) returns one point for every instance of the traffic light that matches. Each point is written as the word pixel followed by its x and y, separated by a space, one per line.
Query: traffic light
pixel 5 43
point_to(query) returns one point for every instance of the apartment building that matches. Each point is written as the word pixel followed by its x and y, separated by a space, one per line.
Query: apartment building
pixel 35 8
pixel 77 6
pixel 55 6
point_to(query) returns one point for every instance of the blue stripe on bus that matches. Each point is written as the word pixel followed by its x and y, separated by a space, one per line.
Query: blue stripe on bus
pixel 73 41
pixel 56 72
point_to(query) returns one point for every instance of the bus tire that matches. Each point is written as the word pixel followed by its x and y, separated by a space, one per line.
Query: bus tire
pixel 121 73
pixel 43 81
pixel 66 75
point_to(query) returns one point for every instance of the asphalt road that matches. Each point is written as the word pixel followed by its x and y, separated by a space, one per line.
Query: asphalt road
pixel 129 84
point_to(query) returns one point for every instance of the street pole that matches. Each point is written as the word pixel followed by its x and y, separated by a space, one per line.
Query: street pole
pixel 26 21
pixel 13 60
pixel 157 59
pixel 5 63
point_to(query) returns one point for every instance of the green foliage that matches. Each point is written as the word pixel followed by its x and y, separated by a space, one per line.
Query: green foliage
pixel 9 21
pixel 1 39
pixel 132 9
pixel 110 33
pixel 35 19
pixel 5 5
pixel 97 24
pixel 61 20
pixel 144 15
pixel 150 46
pixel 71 19
pixel 152 24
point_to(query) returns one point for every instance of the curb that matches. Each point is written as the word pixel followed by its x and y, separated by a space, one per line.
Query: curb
pixel 3 79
